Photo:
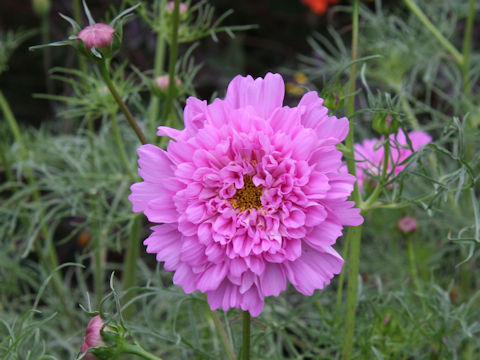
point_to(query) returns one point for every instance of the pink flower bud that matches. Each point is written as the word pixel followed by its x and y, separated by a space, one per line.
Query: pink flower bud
pixel 163 81
pixel 97 35
pixel 407 224
pixel 93 337
pixel 182 7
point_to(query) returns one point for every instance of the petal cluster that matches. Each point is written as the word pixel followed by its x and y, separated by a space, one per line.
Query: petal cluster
pixel 97 35
pixel 93 337
pixel 249 194
pixel 369 154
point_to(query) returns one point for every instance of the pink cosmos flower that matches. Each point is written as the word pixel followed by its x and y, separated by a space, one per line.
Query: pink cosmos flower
pixel 93 337
pixel 97 35
pixel 369 154
pixel 250 195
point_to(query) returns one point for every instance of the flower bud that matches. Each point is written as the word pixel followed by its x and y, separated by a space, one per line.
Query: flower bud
pixel 407 224
pixel 41 7
pixel 335 99
pixel 385 124
pixel 93 337
pixel 161 83
pixel 170 6
pixel 97 35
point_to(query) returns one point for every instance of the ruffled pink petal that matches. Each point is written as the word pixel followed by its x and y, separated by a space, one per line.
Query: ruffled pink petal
pixel 273 280
pixel 165 241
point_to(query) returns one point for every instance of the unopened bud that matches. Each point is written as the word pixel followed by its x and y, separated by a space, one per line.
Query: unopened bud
pixel 182 7
pixel 93 337
pixel 385 124
pixel 97 35
pixel 407 224
pixel 163 81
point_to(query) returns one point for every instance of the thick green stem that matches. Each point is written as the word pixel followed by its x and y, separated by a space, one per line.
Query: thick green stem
pixel 139 351
pixel 246 336
pixel 355 235
pixel 108 81
pixel 467 43
pixel 172 86
pixel 447 45
pixel 223 336
pixel 131 257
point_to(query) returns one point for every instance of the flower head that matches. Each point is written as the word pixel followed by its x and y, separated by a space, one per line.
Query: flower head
pixel 250 195
pixel 97 35
pixel 170 6
pixel 319 6
pixel 407 224
pixel 93 337
pixel 163 81
pixel 369 154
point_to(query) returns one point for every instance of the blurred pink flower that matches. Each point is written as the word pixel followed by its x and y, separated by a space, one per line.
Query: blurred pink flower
pixel 93 337
pixel 97 35
pixel 170 6
pixel 369 154
pixel 407 224
pixel 163 81
pixel 250 195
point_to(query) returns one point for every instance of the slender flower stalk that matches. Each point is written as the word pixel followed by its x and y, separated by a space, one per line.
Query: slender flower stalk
pixel 108 81
pixel 353 233
pixel 172 61
pixel 222 334
pixel 121 146
pixel 246 336
pixel 447 45
pixel 467 43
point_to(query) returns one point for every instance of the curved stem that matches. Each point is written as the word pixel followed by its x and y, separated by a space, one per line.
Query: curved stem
pixel 139 351
pixel 246 336
pixel 108 81
pixel 447 45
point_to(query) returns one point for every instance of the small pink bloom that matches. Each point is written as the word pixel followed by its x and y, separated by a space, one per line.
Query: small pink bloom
pixel 369 154
pixel 163 81
pixel 97 35
pixel 170 6
pixel 93 337
pixel 407 224
pixel 249 195
pixel 386 320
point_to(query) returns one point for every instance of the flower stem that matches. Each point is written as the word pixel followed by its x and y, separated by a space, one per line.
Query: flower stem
pixel 341 279
pixel 355 235
pixel 412 264
pixel 139 351
pixel 172 61
pixel 120 146
pixel 378 188
pixel 77 16
pixel 108 81
pixel 447 45
pixel 246 336
pixel 223 336
pixel 467 42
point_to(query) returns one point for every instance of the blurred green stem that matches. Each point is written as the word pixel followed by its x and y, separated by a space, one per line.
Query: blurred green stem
pixel 467 43
pixel 121 146
pixel 77 16
pixel 447 45
pixel 354 233
pixel 172 86
pixel 246 336
pixel 130 267
pixel 412 263
pixel 104 69
pixel 47 54
pixel 157 70
pixel 47 253
pixel 341 281
pixel 223 336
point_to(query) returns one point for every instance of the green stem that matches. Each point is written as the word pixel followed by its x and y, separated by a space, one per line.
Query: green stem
pixel 341 279
pixel 412 264
pixel 108 81
pixel 355 235
pixel 77 16
pixel 447 45
pixel 351 103
pixel 223 336
pixel 157 70
pixel 246 336
pixel 98 251
pixel 467 42
pixel 47 54
pixel 131 257
pixel 139 351
pixel 172 86
pixel 378 188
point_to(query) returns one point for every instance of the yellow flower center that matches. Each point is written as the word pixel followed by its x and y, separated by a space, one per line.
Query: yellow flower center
pixel 248 197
